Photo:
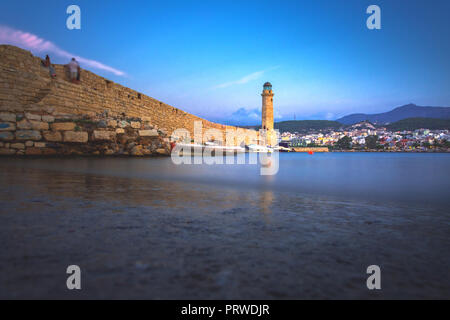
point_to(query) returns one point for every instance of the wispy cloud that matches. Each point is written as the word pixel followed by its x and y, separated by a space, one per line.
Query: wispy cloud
pixel 252 76
pixel 35 44
pixel 247 78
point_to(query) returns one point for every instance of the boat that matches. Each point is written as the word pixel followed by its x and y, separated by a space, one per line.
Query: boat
pixel 282 149
pixel 211 147
pixel 258 148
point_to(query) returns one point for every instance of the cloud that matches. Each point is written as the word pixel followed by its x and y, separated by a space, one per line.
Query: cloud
pixel 244 117
pixel 329 115
pixel 33 43
pixel 247 117
pixel 247 78
pixel 252 76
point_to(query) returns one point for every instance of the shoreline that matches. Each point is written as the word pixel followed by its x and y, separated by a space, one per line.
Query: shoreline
pixel 160 156
pixel 393 151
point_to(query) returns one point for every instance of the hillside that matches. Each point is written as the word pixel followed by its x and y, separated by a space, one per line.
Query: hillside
pixel 419 123
pixel 400 113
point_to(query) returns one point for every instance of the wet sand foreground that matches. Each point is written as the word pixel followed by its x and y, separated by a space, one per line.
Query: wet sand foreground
pixel 135 235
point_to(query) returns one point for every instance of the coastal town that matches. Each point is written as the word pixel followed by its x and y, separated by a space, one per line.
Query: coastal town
pixel 365 136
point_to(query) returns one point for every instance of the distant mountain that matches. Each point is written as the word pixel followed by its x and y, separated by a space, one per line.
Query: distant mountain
pixel 303 126
pixel 419 123
pixel 400 113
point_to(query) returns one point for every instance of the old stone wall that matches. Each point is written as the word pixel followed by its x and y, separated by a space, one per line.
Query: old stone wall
pixel 26 88
pixel 43 133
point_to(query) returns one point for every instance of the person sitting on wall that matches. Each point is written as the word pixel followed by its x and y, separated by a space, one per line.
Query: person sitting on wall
pixel 74 68
pixel 46 63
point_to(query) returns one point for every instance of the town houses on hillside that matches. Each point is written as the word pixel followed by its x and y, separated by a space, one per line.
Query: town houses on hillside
pixel 365 136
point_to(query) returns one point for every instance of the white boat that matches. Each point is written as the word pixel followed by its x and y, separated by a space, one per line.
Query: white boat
pixel 258 148
pixel 282 149
pixel 211 147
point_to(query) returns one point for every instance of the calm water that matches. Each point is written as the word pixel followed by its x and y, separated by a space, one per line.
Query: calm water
pixel 146 228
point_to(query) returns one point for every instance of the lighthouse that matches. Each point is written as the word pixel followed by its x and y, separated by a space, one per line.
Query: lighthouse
pixel 267 114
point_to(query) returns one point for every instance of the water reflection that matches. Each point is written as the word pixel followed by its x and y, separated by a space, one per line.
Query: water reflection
pixel 266 201
pixel 133 192
pixel 411 178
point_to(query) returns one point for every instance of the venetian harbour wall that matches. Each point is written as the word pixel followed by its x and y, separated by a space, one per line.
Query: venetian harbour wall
pixel 40 115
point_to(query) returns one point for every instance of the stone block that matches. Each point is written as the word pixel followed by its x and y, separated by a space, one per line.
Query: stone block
pixel 148 133
pixel 29 144
pixel 6 136
pixel 8 116
pixel 66 116
pixel 135 124
pixel 17 145
pixel 75 136
pixel 48 110
pixel 40 144
pixel 48 118
pixel 7 126
pixel 112 123
pixel 63 126
pixel 31 116
pixel 120 131
pixel 104 135
pixel 54 136
pixel 24 124
pixel 39 125
pixel 162 151
pixel 28 135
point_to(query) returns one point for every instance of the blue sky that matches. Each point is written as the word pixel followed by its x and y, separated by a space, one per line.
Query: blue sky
pixel 211 58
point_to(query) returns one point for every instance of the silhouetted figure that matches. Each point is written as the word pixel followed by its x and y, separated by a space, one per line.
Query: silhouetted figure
pixel 46 63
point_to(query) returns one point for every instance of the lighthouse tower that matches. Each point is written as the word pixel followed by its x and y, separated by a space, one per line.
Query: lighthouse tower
pixel 267 114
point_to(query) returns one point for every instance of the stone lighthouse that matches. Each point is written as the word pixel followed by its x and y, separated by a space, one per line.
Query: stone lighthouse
pixel 267 114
